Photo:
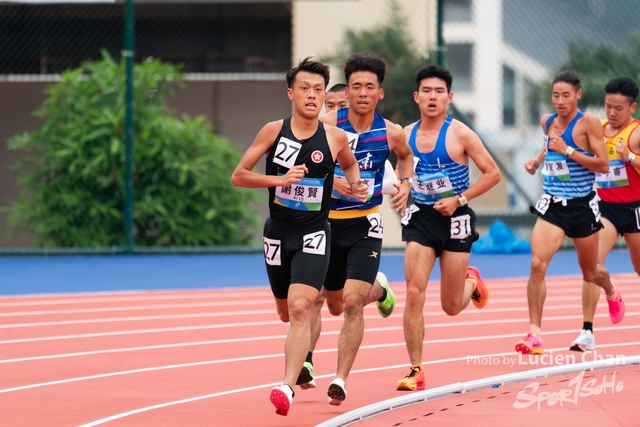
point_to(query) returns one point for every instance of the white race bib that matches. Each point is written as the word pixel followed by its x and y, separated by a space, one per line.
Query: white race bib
pixel 555 168
pixel 460 227
pixel 406 217
pixel 353 140
pixel 304 195
pixel 595 207
pixel 272 249
pixel 615 177
pixel 543 203
pixel 314 243
pixel 286 152
pixel 376 230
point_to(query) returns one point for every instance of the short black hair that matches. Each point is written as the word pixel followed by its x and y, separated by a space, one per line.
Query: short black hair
pixel 338 87
pixel 365 62
pixel 623 86
pixel 309 66
pixel 434 71
pixel 568 76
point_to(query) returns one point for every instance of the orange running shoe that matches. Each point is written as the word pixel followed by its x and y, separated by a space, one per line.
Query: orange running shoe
pixel 413 381
pixel 480 295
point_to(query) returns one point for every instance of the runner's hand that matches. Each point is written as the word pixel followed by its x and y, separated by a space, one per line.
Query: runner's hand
pixel 447 206
pixel 294 175
pixel 532 166
pixel 342 186
pixel 399 200
pixel 359 190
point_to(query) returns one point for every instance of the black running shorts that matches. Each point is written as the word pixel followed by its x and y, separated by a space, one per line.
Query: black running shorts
pixel 355 250
pixel 624 216
pixel 428 227
pixel 295 254
pixel 576 217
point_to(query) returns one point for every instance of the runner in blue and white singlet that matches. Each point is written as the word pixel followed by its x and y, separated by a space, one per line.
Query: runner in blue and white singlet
pixel 436 176
pixel 371 149
pixel 563 176
pixel 573 151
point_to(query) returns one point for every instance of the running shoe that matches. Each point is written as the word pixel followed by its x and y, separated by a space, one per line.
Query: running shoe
pixel 616 307
pixel 336 392
pixel 305 379
pixel 585 341
pixel 385 308
pixel 480 295
pixel 413 381
pixel 530 345
pixel 282 398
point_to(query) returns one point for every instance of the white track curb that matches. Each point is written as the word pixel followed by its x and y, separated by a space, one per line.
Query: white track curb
pixel 470 386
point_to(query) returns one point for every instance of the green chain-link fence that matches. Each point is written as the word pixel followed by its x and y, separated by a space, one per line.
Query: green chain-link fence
pixel 502 54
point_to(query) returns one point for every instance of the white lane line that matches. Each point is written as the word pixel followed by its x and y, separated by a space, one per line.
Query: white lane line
pixel 274 322
pixel 134 308
pixel 149 296
pixel 246 312
pixel 272 337
pixel 558 283
pixel 137 331
pixel 135 318
pixel 430 296
pixel 269 356
pixel 241 390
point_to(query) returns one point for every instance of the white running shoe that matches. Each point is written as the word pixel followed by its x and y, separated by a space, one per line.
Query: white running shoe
pixel 585 341
pixel 336 392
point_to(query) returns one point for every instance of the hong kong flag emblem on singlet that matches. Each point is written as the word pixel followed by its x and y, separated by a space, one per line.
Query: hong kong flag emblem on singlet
pixel 317 156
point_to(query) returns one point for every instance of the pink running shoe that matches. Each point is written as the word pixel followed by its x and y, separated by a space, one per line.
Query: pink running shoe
pixel 530 345
pixel 282 398
pixel 616 306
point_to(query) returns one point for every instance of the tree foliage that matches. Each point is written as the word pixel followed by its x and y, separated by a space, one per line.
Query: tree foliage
pixel 392 43
pixel 596 65
pixel 72 172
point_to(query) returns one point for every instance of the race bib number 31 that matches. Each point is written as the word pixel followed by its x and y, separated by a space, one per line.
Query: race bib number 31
pixel 460 227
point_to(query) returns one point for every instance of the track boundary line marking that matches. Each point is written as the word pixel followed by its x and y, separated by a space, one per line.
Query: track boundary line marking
pixel 271 337
pixel 208 396
pixel 268 356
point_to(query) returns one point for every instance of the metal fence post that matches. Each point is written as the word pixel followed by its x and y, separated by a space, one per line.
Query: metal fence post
pixel 440 41
pixel 128 54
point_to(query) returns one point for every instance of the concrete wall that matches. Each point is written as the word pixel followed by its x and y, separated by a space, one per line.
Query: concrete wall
pixel 237 109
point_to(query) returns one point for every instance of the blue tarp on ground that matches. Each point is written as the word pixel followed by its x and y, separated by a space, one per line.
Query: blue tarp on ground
pixel 500 240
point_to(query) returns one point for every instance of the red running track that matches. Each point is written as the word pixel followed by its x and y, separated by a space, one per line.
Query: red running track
pixel 210 358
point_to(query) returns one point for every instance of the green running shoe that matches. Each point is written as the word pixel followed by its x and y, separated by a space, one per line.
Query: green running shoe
pixel 385 308
pixel 305 379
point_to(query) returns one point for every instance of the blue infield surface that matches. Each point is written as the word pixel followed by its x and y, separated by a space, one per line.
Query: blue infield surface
pixel 69 274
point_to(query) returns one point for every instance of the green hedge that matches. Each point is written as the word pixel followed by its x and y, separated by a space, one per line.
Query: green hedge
pixel 72 171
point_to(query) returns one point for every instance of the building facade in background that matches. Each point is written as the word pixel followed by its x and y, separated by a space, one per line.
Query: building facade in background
pixel 235 53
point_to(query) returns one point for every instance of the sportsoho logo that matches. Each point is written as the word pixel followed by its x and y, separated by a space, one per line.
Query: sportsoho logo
pixel 577 389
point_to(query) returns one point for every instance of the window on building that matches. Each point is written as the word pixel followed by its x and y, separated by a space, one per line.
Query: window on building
pixel 459 60
pixel 457 10
pixel 508 96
